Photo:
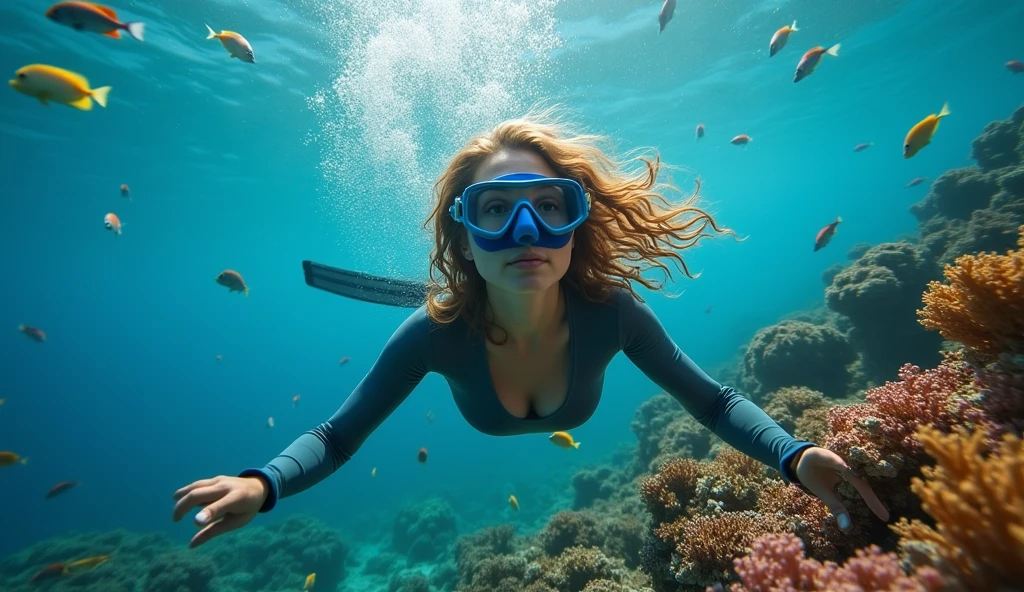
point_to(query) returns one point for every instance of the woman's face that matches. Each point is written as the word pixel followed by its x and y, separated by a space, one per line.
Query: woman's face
pixel 506 269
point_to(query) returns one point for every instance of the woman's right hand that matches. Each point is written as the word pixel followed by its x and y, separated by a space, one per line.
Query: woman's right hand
pixel 229 503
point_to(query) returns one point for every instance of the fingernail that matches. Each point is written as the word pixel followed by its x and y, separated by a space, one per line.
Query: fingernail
pixel 844 521
pixel 202 517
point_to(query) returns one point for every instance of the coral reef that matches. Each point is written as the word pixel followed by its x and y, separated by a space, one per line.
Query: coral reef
pixel 798 353
pixel 982 306
pixel 977 502
pixel 424 531
pixel 788 404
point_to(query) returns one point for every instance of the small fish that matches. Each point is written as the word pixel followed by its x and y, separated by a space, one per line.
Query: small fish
pixel 810 61
pixel 232 280
pixel 512 501
pixel 236 45
pixel 430 416
pixel 699 132
pixel 310 581
pixel 667 10
pixel 270 422
pixel 9 459
pixel 825 234
pixel 343 361
pixel 741 140
pixel 218 357
pixel 125 192
pixel 89 563
pixel 112 223
pixel 916 181
pixel 563 440
pixel 60 488
pixel 50 83
pixel 864 146
pixel 1015 66
pixel 708 310
pixel 921 134
pixel 780 38
pixel 295 400
pixel 422 455
pixel 55 570
pixel 373 473
pixel 34 333
pixel 94 18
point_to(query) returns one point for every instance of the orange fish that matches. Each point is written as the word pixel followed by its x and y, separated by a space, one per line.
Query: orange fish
pixel 295 400
pixel 60 488
pixel 422 455
pixel 9 459
pixel 52 84
pixel 112 223
pixel 921 134
pixel 232 280
pixel 125 192
pixel 34 333
pixel 563 440
pixel 780 38
pixel 810 61
pixel 916 181
pixel 699 132
pixel 825 234
pixel 236 45
pixel 667 10
pixel 94 18
pixel 86 564
pixel 864 146
pixel 55 570
pixel 1015 66
pixel 741 140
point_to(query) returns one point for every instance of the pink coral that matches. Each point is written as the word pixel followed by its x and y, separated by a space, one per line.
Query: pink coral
pixel 777 563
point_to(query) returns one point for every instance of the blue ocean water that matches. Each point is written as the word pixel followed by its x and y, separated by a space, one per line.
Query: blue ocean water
pixel 326 148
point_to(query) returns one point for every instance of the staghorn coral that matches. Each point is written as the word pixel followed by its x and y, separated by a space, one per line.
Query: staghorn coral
pixel 977 502
pixel 777 562
pixel 798 353
pixel 787 404
pixel 982 306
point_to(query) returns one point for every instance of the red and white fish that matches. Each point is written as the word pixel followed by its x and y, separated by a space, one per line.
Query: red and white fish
pixel 94 18
pixel 825 234
pixel 811 59
pixel 112 223
pixel 780 38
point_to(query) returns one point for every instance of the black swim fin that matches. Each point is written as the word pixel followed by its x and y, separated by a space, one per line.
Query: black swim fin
pixel 366 287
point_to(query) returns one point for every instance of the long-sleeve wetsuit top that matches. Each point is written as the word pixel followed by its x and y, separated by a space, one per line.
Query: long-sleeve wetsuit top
pixel 597 331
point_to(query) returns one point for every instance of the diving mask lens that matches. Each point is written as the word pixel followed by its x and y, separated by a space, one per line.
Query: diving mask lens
pixel 490 207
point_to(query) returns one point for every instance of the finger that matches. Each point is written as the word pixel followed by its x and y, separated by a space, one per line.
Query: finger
pixel 229 523
pixel 216 509
pixel 194 498
pixel 868 494
pixel 834 505
pixel 194 485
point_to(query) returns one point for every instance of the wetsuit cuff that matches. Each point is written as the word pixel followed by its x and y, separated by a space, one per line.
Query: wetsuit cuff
pixel 272 492
pixel 787 460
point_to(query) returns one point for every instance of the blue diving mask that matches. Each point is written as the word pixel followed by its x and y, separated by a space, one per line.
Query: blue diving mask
pixel 522 209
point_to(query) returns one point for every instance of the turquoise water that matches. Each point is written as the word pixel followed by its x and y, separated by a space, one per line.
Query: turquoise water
pixel 325 149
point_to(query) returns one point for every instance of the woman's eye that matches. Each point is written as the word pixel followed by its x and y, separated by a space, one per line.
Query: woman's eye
pixel 495 209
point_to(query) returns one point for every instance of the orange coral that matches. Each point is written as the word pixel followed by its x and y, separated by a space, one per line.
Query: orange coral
pixel 983 305
pixel 978 505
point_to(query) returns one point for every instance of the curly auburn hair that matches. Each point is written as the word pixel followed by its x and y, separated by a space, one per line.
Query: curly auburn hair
pixel 630 220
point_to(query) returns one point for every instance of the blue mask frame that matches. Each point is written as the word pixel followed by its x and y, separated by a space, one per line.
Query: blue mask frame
pixel 525 227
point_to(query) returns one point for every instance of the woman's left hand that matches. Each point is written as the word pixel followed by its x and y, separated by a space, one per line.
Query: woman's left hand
pixel 820 470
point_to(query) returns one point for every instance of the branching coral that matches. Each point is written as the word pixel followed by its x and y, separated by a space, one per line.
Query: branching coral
pixel 982 306
pixel 977 502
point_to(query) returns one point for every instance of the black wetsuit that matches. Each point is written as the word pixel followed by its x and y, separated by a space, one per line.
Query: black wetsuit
pixel 597 331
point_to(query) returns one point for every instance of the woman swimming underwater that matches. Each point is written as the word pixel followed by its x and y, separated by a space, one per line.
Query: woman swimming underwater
pixel 536 235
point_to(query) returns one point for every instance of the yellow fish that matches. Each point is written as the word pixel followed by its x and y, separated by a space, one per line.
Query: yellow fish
pixel 310 581
pixel 512 501
pixel 236 45
pixel 49 83
pixel 9 459
pixel 563 440
pixel 86 564
pixel 921 134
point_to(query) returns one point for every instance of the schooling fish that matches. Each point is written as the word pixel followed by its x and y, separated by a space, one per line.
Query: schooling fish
pixel 50 83
pixel 780 38
pixel 1015 66
pixel 563 440
pixel 34 333
pixel 513 502
pixel 60 488
pixel 232 280
pixel 699 132
pixel 236 45
pixel 9 459
pixel 811 59
pixel 421 455
pixel 89 563
pixel 94 18
pixel 825 234
pixel 667 10
pixel 864 146
pixel 125 192
pixel 921 134
pixel 916 181
pixel 741 140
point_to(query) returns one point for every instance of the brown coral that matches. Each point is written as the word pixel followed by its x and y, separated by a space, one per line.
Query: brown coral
pixel 977 502
pixel 982 307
